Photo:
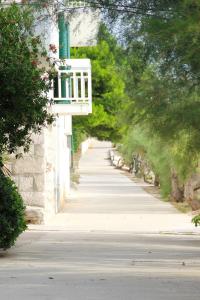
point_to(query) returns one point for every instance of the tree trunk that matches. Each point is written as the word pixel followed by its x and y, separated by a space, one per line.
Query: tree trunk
pixel 156 180
pixel 191 191
pixel 177 193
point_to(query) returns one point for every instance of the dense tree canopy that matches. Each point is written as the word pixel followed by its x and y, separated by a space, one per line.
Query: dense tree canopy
pixel 23 92
pixel 23 106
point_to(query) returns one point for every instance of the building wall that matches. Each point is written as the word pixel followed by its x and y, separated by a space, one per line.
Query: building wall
pixel 84 24
pixel 28 173
pixel 43 174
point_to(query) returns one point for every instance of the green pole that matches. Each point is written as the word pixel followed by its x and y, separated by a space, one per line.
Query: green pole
pixel 68 38
pixel 64 48
pixel 67 26
pixel 64 52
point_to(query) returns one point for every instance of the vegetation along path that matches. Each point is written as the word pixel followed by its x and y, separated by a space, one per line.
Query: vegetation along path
pixel 112 241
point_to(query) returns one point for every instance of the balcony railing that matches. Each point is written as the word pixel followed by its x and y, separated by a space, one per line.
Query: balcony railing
pixel 72 85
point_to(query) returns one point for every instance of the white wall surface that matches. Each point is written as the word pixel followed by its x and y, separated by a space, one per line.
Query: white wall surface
pixel 84 25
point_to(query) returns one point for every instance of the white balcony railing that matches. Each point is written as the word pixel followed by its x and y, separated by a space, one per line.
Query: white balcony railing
pixel 73 84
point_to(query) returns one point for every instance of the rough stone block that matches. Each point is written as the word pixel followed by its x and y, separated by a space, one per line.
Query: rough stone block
pixel 39 150
pixel 29 165
pixel 26 183
pixel 34 215
pixel 33 198
pixel 39 183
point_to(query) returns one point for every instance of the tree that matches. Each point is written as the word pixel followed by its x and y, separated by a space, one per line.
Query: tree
pixel 23 106
pixel 164 95
pixel 139 141
pixel 23 93
pixel 108 88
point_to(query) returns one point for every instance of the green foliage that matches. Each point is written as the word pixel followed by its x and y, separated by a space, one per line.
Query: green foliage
pixel 168 94
pixel 108 88
pixel 99 124
pixel 12 222
pixel 169 32
pixel 162 83
pixel 167 36
pixel 78 136
pixel 167 108
pixel 161 155
pixel 23 93
pixel 196 220
pixel 23 105
pixel 140 141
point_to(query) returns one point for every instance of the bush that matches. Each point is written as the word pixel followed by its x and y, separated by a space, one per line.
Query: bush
pixel 196 220
pixel 12 210
pixel 151 149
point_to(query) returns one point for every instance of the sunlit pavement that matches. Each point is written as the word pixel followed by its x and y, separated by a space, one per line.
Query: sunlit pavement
pixel 112 241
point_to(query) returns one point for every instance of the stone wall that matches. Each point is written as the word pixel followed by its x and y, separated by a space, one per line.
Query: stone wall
pixel 28 173
pixel 43 174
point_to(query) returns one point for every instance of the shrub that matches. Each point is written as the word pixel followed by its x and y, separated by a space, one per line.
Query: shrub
pixel 12 221
pixel 196 220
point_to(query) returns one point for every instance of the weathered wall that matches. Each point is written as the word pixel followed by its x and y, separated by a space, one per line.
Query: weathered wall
pixel 43 174
pixel 28 173
pixel 84 25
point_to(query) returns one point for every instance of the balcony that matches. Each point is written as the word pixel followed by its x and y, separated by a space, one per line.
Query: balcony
pixel 72 90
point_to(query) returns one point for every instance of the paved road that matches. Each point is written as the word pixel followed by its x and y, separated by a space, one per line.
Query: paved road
pixel 109 243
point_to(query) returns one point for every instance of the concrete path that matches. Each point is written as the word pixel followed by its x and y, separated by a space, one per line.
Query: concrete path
pixel 107 200
pixel 108 244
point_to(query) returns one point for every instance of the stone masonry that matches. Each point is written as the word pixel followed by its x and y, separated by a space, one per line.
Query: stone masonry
pixel 34 175
pixel 43 174
pixel 28 173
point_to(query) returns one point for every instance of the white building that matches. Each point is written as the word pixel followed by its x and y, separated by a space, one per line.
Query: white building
pixel 43 175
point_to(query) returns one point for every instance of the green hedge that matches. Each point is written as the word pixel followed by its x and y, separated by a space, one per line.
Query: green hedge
pixel 12 210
